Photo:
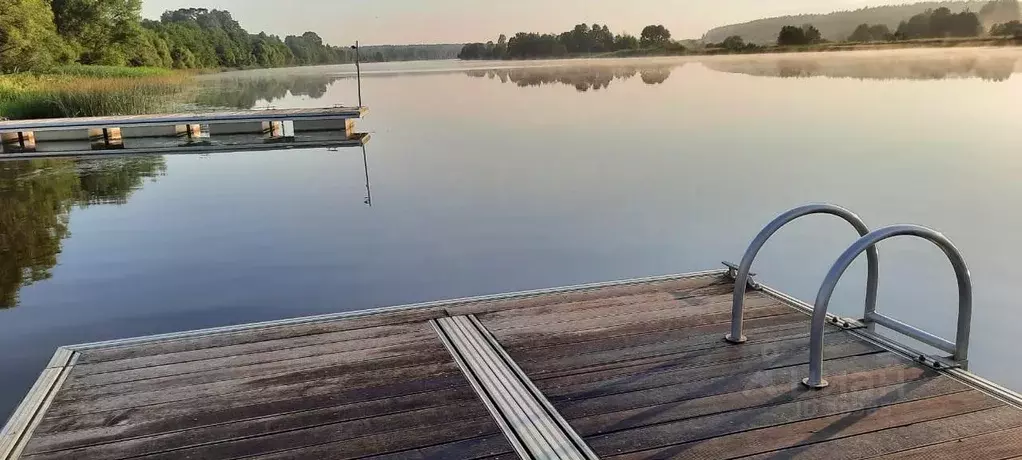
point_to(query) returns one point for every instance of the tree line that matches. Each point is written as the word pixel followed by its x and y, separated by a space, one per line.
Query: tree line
pixel 1004 16
pixel 932 23
pixel 37 34
pixel 583 39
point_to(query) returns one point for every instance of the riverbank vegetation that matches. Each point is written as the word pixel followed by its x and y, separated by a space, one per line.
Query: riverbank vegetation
pixel 940 27
pixel 582 40
pixel 64 58
pixel 40 34
pixel 80 91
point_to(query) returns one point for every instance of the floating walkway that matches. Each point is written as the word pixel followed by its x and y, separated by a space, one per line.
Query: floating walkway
pixel 636 369
pixel 182 133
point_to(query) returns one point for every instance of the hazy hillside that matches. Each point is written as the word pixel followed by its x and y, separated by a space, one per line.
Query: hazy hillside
pixel 834 26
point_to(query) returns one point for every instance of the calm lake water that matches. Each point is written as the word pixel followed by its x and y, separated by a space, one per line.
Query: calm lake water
pixel 487 180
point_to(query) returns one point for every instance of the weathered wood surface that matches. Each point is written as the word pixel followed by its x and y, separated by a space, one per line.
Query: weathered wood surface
pixel 352 389
pixel 639 378
pixel 639 370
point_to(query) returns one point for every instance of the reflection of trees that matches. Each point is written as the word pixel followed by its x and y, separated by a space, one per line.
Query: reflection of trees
pixel 583 78
pixel 245 92
pixel 36 198
pixel 875 66
pixel 655 76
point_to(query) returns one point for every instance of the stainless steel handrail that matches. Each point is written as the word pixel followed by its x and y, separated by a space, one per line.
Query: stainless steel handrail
pixel 742 279
pixel 959 348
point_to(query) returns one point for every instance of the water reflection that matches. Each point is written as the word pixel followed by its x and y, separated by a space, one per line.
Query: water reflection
pixel 36 198
pixel 583 78
pixel 248 91
pixel 993 65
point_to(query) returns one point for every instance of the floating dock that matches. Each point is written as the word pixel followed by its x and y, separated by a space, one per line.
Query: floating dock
pixel 182 133
pixel 636 369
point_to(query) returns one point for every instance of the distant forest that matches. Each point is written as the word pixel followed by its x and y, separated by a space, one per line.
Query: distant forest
pixel 583 39
pixel 840 25
pixel 37 34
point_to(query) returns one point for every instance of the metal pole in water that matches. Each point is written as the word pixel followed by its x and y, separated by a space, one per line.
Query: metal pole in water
pixel 358 73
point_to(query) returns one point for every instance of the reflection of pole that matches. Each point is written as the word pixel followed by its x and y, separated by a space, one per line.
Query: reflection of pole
pixel 369 190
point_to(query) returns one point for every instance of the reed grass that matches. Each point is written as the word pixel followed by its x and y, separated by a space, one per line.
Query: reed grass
pixel 85 91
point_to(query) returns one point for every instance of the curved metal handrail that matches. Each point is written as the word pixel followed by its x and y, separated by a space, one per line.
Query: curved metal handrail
pixel 742 279
pixel 960 347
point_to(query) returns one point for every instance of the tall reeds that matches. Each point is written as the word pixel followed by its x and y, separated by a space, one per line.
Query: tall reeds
pixel 84 91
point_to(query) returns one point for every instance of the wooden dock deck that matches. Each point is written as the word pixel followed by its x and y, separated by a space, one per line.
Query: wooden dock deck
pixel 200 132
pixel 630 370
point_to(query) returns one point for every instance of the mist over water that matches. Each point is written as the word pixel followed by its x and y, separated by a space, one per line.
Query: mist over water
pixel 504 176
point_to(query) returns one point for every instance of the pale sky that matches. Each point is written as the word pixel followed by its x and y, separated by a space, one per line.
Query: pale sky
pixel 459 21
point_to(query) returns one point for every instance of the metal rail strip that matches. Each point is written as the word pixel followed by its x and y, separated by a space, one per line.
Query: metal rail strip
pixel 528 420
pixel 29 413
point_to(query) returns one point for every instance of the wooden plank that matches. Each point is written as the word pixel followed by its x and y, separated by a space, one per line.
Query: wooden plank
pixel 203 421
pixel 892 440
pixel 837 358
pixel 586 330
pixel 772 353
pixel 679 285
pixel 627 399
pixel 663 405
pixel 145 394
pixel 651 304
pixel 642 316
pixel 325 442
pixel 373 337
pixel 668 441
pixel 679 299
pixel 757 319
pixel 218 369
pixel 492 447
pixel 611 340
pixel 993 446
pixel 670 371
pixel 257 334
pixel 261 435
pixel 772 342
pixel 73 432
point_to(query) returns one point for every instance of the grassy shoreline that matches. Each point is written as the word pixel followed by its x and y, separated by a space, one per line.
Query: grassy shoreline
pixel 967 42
pixel 83 91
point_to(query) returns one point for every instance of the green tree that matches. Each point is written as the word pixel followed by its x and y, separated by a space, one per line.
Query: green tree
pixel 626 42
pixel 791 36
pixel 861 34
pixel 881 32
pixel 733 43
pixel 1011 28
pixel 654 36
pixel 102 30
pixel 28 37
pixel 812 34
pixel 940 23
